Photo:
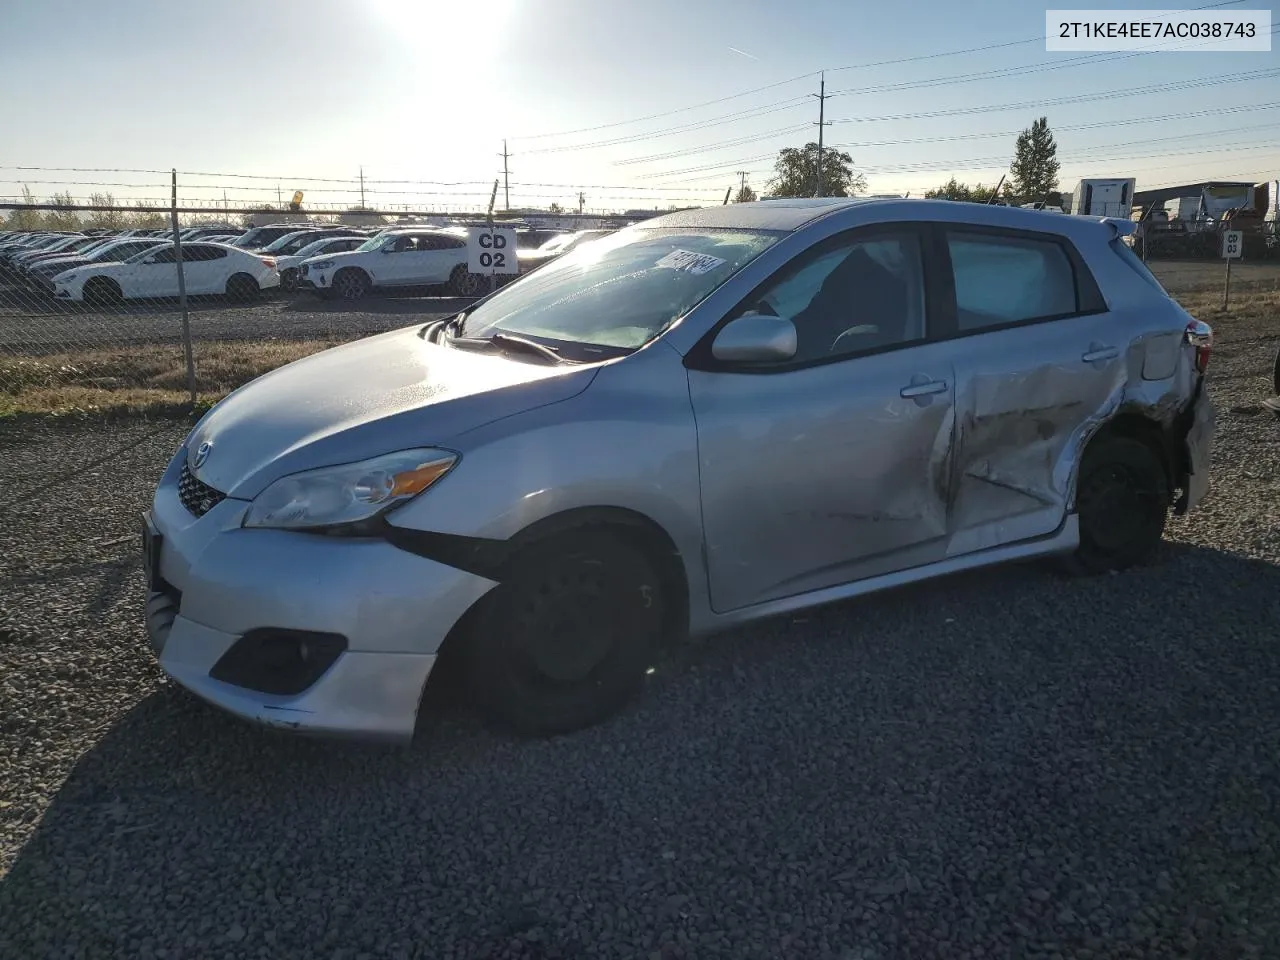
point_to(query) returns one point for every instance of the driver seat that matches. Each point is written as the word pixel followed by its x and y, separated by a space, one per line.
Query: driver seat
pixel 859 291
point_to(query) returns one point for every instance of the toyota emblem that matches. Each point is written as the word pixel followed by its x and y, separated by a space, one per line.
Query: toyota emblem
pixel 202 454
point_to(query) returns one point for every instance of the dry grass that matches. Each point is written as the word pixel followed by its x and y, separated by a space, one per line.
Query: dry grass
pixel 141 379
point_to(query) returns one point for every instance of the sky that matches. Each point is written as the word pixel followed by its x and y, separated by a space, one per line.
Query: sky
pixel 633 105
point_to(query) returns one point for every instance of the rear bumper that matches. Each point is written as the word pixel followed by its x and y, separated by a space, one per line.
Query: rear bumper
pixel 1196 430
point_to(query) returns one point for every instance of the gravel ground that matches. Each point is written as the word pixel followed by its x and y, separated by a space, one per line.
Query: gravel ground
pixel 1002 764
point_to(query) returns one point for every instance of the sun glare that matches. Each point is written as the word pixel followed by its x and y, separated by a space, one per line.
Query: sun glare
pixel 445 30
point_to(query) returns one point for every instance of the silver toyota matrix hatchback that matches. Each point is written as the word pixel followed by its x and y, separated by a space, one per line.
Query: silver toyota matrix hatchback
pixel 703 419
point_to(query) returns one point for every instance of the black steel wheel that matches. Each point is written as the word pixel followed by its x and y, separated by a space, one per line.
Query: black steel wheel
pixel 1122 503
pixel 565 639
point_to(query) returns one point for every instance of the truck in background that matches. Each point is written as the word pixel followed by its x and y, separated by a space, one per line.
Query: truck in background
pixel 1104 197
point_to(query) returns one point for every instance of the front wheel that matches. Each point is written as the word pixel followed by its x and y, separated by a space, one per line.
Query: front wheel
pixel 1122 503
pixel 289 279
pixel 565 639
pixel 464 283
pixel 1275 373
pixel 351 284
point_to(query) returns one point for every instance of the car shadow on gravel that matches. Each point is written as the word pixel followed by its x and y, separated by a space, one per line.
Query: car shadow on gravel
pixel 897 755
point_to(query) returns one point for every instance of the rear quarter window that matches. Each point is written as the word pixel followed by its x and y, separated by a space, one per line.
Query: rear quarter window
pixel 1125 253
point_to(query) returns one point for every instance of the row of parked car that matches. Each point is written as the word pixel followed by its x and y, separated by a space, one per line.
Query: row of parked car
pixel 106 267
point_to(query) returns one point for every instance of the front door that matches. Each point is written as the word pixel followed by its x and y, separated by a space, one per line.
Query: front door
pixel 833 467
pixel 1037 355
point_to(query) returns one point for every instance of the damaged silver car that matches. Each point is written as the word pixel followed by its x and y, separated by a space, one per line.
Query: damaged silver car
pixel 704 419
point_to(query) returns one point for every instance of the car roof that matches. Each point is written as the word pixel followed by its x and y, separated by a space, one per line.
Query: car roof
pixel 792 214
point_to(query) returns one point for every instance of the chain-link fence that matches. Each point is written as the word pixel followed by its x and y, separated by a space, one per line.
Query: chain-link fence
pixel 111 306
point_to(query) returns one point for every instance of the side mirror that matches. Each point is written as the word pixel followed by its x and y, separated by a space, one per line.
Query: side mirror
pixel 756 338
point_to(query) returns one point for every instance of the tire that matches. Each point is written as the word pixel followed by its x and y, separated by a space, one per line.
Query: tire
pixel 103 292
pixel 464 283
pixel 565 639
pixel 350 284
pixel 289 279
pixel 242 288
pixel 1275 373
pixel 1122 502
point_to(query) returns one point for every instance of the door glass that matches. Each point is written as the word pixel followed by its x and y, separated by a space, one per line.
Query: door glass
pixel 864 294
pixel 1002 280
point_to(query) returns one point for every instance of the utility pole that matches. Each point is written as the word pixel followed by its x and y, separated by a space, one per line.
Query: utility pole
pixel 506 175
pixel 279 202
pixel 581 201
pixel 743 186
pixel 822 122
pixel 362 186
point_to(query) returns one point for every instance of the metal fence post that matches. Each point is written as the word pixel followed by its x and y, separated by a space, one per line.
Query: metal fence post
pixel 182 288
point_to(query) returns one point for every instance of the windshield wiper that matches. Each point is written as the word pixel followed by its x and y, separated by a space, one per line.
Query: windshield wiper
pixel 511 342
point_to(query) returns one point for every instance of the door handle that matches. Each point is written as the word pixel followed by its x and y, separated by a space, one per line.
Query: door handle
pixel 1098 354
pixel 923 389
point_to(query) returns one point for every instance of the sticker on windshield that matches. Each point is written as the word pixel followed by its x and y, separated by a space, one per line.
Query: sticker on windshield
pixel 695 263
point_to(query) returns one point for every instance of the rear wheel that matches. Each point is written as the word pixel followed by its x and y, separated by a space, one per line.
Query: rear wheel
pixel 1275 373
pixel 242 288
pixel 1122 503
pixel 350 284
pixel 564 640
pixel 464 283
pixel 103 292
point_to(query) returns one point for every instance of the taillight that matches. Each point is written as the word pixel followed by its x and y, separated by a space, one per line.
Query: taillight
pixel 1200 335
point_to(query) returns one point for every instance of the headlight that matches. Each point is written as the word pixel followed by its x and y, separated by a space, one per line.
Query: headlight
pixel 320 265
pixel 349 492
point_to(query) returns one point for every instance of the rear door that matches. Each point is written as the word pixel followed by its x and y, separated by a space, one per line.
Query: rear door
pixel 1036 355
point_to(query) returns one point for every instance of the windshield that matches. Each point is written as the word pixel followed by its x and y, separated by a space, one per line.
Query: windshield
pixel 143 254
pixel 319 246
pixel 619 291
pixel 374 242
pixel 280 243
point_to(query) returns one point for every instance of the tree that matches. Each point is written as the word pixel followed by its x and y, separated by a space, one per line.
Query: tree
pixel 104 219
pixel 24 219
pixel 953 190
pixel 555 208
pixel 1035 162
pixel 796 173
pixel 62 218
pixel 141 219
pixel 745 194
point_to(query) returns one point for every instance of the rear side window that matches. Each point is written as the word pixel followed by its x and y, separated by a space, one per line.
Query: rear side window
pixel 1002 280
pixel 1125 253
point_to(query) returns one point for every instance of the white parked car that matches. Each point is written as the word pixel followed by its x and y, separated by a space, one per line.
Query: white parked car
pixel 288 266
pixel 208 268
pixel 413 256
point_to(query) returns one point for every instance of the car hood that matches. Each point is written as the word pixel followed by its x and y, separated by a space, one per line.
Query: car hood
pixel 388 392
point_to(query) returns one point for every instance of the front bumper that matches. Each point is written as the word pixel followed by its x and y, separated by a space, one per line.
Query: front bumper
pixel 220 581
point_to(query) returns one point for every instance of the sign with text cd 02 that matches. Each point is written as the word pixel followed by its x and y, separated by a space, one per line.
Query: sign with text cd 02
pixel 1232 244
pixel 492 250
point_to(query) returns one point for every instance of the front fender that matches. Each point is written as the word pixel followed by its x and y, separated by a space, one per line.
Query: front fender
pixel 627 442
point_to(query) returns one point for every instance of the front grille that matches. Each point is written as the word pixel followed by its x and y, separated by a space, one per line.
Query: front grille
pixel 196 495
pixel 304 269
